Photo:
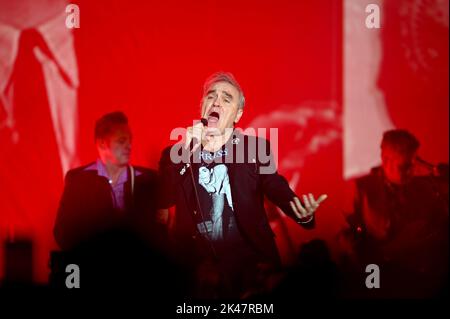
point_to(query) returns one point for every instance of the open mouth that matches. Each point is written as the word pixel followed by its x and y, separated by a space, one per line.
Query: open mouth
pixel 213 117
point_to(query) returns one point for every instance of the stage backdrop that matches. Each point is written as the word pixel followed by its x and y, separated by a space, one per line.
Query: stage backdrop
pixel 312 69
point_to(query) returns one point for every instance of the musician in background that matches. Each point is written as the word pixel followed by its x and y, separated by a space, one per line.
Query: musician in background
pixel 106 217
pixel 399 220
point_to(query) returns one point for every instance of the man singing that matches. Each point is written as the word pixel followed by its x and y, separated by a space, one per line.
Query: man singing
pixel 221 230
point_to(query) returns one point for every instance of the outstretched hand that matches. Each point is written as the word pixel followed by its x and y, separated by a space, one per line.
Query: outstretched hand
pixel 310 206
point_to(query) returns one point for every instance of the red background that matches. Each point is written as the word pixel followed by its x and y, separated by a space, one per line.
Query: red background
pixel 150 59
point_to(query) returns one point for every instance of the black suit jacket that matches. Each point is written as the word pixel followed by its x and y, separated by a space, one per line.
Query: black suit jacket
pixel 249 187
pixel 86 208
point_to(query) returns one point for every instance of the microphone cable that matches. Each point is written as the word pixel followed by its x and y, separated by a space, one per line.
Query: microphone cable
pixel 197 198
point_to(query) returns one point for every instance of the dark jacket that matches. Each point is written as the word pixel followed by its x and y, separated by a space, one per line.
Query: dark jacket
pixel 115 250
pixel 86 208
pixel 249 187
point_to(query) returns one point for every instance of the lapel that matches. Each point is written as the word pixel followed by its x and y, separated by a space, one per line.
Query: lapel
pixel 234 173
pixel 190 176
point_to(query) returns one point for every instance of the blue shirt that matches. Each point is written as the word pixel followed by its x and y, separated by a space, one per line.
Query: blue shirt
pixel 117 190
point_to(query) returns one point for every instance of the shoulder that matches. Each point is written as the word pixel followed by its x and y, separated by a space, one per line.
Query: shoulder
pixel 145 172
pixel 84 170
pixel 372 181
pixel 249 140
pixel 254 148
pixel 166 151
pixel 169 149
pixel 173 156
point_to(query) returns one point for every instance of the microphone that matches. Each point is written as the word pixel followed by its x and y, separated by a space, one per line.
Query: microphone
pixel 194 140
pixel 434 170
pixel 204 121
pixel 424 162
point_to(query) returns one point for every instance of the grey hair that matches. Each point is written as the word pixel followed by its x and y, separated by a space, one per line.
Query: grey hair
pixel 225 77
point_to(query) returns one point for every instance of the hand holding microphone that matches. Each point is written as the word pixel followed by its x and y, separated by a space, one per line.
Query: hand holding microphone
pixel 195 135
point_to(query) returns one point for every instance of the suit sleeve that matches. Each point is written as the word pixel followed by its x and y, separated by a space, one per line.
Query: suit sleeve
pixel 167 180
pixel 65 225
pixel 275 186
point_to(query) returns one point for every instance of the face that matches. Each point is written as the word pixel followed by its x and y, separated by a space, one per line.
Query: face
pixel 116 148
pixel 204 174
pixel 220 106
pixel 396 166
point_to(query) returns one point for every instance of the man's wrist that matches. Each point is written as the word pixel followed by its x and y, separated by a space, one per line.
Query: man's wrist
pixel 305 220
